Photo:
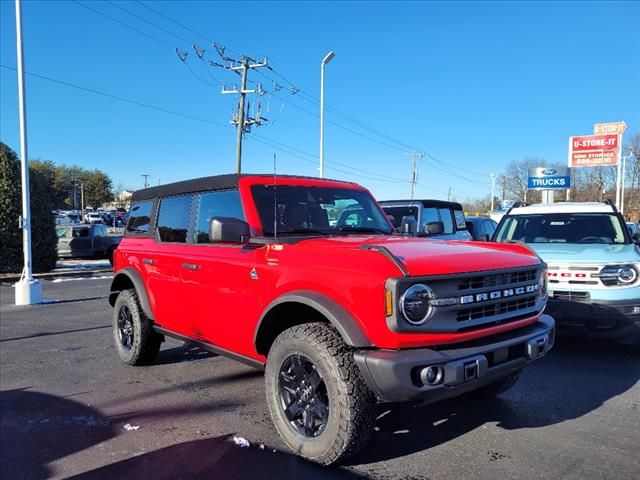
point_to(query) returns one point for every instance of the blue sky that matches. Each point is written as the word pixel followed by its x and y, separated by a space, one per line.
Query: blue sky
pixel 473 84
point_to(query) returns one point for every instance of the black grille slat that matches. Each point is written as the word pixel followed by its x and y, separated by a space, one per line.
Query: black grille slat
pixel 574 296
pixel 490 281
pixel 483 311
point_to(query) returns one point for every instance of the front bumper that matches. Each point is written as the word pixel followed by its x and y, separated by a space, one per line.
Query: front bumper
pixel 394 375
pixel 613 320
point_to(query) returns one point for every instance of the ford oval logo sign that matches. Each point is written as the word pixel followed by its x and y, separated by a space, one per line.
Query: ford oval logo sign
pixel 549 171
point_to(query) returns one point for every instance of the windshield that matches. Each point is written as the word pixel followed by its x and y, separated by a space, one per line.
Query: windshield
pixel 562 228
pixel 396 214
pixel 317 210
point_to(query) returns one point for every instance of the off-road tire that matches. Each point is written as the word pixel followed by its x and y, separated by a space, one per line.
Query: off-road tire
pixel 352 406
pixel 145 343
pixel 496 388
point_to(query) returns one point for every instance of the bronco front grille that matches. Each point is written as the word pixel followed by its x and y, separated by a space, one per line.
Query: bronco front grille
pixel 488 281
pixel 484 311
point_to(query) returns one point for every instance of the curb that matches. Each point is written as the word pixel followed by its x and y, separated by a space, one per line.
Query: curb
pixel 68 272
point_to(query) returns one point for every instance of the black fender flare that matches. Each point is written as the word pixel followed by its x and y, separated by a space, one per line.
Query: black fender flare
pixel 134 277
pixel 338 316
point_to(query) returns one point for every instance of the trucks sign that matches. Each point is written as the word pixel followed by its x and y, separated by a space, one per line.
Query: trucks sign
pixel 593 150
pixel 549 178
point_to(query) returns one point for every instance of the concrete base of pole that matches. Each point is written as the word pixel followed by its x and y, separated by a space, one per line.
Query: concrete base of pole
pixel 28 292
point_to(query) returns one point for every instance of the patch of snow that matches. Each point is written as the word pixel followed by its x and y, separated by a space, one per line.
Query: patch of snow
pixel 75 279
pixel 241 442
pixel 128 427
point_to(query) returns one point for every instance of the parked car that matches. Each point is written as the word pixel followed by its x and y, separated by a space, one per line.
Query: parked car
pixel 93 217
pixel 594 266
pixel 339 316
pixel 86 241
pixel 481 228
pixel 431 218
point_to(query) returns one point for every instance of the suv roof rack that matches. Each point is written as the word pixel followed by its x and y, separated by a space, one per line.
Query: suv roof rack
pixel 517 205
pixel 611 203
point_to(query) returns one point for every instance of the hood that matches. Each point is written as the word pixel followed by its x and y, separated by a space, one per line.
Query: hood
pixel 567 253
pixel 422 256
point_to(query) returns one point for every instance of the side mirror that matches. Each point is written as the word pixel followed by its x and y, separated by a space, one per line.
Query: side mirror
pixel 409 226
pixel 486 238
pixel 228 230
pixel 434 228
pixel 636 238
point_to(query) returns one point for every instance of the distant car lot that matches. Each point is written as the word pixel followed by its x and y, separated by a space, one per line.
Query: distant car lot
pixel 573 415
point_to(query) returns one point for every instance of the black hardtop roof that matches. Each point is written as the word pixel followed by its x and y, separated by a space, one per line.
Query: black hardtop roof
pixel 427 203
pixel 203 184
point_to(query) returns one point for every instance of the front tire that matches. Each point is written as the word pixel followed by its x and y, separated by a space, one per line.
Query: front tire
pixel 319 402
pixel 136 341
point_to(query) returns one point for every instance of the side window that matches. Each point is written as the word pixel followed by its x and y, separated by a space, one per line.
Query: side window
pixel 173 219
pixel 216 204
pixel 80 232
pixel 99 231
pixel 63 232
pixel 447 219
pixel 490 228
pixel 140 217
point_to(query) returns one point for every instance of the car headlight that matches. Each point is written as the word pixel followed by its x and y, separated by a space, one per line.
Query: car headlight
pixel 618 275
pixel 415 304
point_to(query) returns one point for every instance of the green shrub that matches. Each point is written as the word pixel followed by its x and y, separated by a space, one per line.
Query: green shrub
pixel 43 233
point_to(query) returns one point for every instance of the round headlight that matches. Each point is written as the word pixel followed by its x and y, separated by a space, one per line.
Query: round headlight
pixel 627 275
pixel 415 306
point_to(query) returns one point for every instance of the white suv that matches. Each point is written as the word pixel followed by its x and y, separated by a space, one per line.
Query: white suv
pixel 594 266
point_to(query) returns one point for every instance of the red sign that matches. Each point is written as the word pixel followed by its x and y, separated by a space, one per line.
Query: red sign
pixel 589 143
pixel 593 150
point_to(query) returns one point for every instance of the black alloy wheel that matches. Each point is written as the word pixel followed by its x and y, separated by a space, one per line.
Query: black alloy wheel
pixel 125 327
pixel 303 396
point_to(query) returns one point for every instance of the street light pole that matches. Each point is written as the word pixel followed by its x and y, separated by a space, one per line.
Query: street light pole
pixel 328 57
pixel 27 290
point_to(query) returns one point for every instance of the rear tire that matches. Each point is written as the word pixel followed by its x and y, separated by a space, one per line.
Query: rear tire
pixel 319 402
pixel 496 388
pixel 136 341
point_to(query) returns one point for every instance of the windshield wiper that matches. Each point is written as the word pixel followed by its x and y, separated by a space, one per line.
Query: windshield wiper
pixel 346 228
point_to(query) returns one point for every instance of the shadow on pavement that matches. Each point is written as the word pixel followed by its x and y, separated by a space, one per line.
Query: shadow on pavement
pixel 36 429
pixel 216 458
pixel 572 381
pixel 184 353
pixel 46 334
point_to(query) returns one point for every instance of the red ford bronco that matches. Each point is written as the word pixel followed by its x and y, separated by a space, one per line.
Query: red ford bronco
pixel 340 316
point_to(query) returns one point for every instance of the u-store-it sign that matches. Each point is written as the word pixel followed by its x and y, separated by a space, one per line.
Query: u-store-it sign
pixel 593 150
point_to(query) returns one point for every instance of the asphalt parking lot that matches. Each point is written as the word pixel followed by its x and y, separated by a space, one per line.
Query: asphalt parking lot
pixel 70 409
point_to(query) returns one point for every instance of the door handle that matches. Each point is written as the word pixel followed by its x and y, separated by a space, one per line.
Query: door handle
pixel 191 266
pixel 148 261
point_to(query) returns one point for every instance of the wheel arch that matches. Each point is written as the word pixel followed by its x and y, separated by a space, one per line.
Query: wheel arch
pixel 129 278
pixel 300 307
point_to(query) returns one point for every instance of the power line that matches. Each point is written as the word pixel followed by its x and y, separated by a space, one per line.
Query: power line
pixel 122 99
pixel 172 20
pixel 123 24
pixel 146 21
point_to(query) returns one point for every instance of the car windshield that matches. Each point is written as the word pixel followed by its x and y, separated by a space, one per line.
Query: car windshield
pixel 295 210
pixel 563 228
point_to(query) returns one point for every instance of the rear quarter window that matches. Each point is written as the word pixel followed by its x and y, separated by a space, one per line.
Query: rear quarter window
pixel 173 219
pixel 140 218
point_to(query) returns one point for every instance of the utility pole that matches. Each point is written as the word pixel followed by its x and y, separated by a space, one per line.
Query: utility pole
pixel 81 202
pixel 243 124
pixel 27 290
pixel 449 194
pixel 504 188
pixel 414 170
pixel 493 188
pixel 146 181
